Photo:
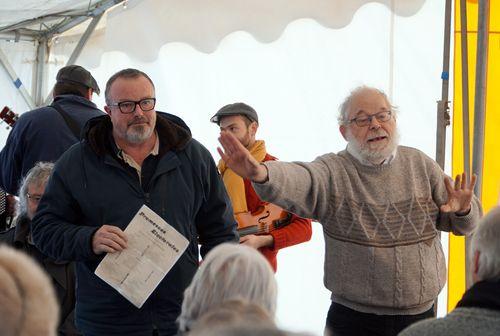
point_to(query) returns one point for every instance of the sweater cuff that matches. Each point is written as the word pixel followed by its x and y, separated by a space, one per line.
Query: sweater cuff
pixel 463 225
pixel 279 240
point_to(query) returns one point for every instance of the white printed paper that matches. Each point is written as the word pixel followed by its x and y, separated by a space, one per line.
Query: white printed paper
pixel 153 248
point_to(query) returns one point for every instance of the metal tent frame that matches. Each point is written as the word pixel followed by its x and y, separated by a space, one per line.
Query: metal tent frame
pixel 41 31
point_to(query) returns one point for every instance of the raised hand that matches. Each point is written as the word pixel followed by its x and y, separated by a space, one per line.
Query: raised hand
pixel 459 195
pixel 109 239
pixel 239 159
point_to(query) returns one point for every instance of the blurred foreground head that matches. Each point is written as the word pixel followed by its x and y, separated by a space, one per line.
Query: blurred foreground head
pixel 28 305
pixel 229 272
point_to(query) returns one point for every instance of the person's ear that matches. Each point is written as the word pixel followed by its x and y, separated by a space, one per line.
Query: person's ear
pixel 89 94
pixel 107 109
pixel 343 131
pixel 475 263
pixel 253 128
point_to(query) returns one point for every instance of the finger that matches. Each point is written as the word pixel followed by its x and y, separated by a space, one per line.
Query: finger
pixel 447 183
pixel 234 144
pixel 105 248
pixel 112 244
pixel 116 239
pixel 464 181
pixel 117 231
pixel 223 156
pixel 457 182
pixel 225 141
pixel 472 183
pixel 243 239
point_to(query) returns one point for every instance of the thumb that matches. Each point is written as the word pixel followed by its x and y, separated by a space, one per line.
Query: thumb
pixel 445 208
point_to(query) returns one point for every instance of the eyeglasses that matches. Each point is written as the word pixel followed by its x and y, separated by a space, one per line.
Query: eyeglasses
pixel 34 198
pixel 129 106
pixel 382 116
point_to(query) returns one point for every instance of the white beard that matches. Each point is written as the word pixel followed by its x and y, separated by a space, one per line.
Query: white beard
pixel 376 153
pixel 139 133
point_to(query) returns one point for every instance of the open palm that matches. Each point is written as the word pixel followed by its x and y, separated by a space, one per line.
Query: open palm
pixel 459 194
pixel 239 159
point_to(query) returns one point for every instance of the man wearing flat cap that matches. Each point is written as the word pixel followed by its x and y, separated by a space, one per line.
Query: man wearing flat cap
pixel 45 133
pixel 242 121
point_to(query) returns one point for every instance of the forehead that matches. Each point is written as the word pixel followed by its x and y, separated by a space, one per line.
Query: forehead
pixel 229 120
pixel 369 102
pixel 36 189
pixel 131 88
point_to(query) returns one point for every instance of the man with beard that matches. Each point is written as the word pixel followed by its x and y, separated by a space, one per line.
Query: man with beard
pixel 381 206
pixel 131 157
pixel 242 121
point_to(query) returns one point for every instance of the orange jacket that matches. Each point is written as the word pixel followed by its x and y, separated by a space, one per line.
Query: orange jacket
pixel 298 231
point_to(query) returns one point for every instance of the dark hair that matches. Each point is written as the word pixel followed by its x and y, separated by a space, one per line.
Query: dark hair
pixel 125 73
pixel 70 88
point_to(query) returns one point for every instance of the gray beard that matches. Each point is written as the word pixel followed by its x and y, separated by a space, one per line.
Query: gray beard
pixel 138 134
pixel 375 156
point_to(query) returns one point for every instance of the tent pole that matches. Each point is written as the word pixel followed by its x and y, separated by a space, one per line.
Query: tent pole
pixel 480 92
pixel 465 86
pixel 79 47
pixel 443 115
pixel 42 53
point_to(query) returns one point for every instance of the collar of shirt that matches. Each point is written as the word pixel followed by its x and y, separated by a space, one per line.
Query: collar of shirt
pixel 365 162
pixel 131 162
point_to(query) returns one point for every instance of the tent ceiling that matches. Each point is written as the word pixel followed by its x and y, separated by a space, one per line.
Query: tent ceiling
pixel 36 18
pixel 204 24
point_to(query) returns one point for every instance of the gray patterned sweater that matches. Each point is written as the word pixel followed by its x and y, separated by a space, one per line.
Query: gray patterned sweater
pixel 383 253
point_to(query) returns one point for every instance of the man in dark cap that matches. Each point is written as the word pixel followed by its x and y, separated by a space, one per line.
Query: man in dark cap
pixel 46 132
pixel 242 121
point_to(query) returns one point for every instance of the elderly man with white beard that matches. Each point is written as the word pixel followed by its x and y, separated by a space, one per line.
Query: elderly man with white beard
pixel 381 206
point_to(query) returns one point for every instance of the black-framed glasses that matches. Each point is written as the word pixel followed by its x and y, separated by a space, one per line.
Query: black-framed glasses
pixel 129 106
pixel 363 121
pixel 34 198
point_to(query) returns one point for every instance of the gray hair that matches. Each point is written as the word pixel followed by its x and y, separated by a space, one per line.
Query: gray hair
pixel 345 107
pixel 232 313
pixel 229 272
pixel 486 240
pixel 38 176
pixel 125 73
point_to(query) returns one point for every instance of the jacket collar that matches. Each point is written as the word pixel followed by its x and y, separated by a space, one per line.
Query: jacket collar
pixel 483 294
pixel 71 98
pixel 173 135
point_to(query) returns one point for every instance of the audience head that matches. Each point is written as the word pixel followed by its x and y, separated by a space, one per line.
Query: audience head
pixel 367 121
pixel 229 272
pixel 76 80
pixel 239 119
pixel 28 305
pixel 232 313
pixel 33 187
pixel 485 248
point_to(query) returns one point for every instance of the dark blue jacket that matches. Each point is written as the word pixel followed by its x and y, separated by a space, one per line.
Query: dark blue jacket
pixel 91 186
pixel 41 135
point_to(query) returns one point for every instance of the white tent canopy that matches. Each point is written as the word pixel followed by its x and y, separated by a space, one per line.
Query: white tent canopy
pixel 293 61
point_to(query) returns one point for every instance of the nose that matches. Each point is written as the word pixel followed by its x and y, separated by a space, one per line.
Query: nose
pixel 374 123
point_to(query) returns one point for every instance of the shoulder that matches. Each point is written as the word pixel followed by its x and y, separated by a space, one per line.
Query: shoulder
pixel 7 237
pixel 195 149
pixel 410 154
pixel 34 116
pixel 430 326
